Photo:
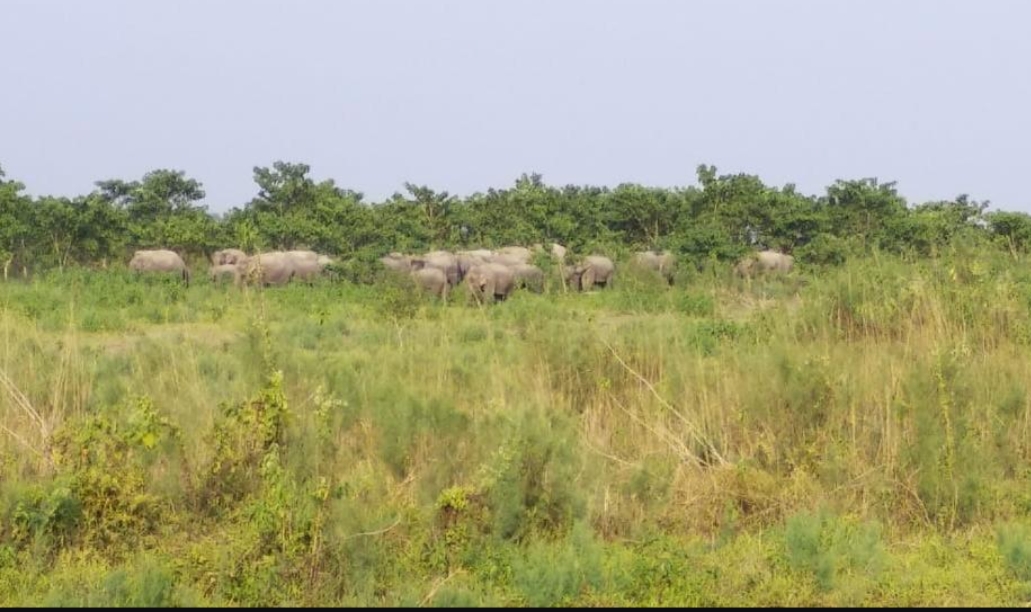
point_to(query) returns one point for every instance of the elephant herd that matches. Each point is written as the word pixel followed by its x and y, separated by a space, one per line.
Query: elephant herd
pixel 489 275
pixel 492 275
pixel 272 268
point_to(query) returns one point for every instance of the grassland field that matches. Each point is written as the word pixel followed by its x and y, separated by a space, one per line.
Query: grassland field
pixel 853 435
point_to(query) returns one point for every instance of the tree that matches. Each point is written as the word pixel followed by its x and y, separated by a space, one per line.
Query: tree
pixel 640 216
pixel 162 211
pixel 731 202
pixel 16 223
pixel 865 209
pixel 1010 229
pixel 934 225
pixel 102 230
pixel 292 210
pixel 57 224
pixel 437 209
pixel 283 189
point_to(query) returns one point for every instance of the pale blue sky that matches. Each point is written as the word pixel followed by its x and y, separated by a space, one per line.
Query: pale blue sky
pixel 464 95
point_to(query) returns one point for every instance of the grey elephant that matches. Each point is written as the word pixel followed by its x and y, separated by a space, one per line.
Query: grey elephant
pixel 228 256
pixel 221 272
pixel 397 262
pixel 515 254
pixel 483 254
pixel 273 268
pixel 528 276
pixel 661 262
pixel 507 259
pixel 306 266
pixel 306 270
pixel 430 278
pixel 469 259
pixel 558 252
pixel 763 262
pixel 490 282
pixel 447 262
pixel 593 271
pixel 303 255
pixel 160 260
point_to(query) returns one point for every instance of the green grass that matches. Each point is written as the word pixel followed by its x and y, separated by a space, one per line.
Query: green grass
pixel 842 436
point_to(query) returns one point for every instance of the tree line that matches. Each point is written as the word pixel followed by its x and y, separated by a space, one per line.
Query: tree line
pixel 722 217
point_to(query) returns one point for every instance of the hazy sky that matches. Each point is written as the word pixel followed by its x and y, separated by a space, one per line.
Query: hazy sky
pixel 464 95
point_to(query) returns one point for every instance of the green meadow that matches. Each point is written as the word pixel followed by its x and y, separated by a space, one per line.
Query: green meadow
pixel 846 435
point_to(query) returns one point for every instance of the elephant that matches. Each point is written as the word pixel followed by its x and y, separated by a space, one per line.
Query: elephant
pixel 490 282
pixel 507 259
pixel 160 260
pixel 558 252
pixel 528 276
pixel 481 253
pixel 661 262
pixel 422 270
pixel 273 268
pixel 307 265
pixel 592 271
pixel 397 262
pixel 468 259
pixel 306 269
pixel 228 256
pixel 447 262
pixel 303 255
pixel 764 261
pixel 517 254
pixel 431 279
pixel 221 271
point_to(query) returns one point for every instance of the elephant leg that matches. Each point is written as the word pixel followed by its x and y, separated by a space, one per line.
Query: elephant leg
pixel 587 280
pixel 476 291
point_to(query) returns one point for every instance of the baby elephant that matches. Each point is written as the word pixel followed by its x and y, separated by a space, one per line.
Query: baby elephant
pixel 224 272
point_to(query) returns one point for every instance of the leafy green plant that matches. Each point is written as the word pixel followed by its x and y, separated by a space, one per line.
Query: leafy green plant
pixel 832 549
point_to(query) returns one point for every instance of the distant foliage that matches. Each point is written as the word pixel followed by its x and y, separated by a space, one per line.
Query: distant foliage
pixel 722 218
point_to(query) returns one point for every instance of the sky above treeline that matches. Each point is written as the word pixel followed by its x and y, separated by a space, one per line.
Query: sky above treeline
pixel 465 95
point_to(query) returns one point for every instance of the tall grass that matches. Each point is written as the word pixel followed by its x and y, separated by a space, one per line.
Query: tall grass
pixel 852 435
